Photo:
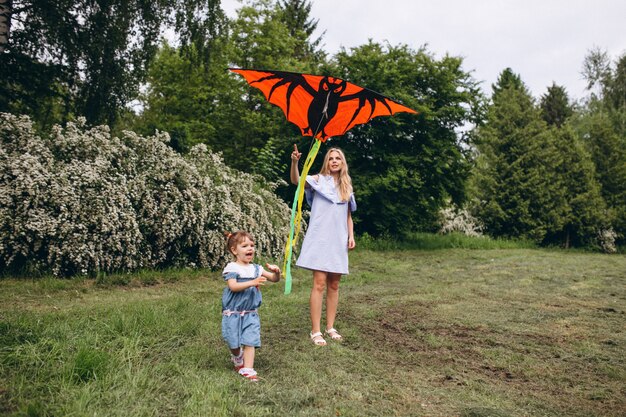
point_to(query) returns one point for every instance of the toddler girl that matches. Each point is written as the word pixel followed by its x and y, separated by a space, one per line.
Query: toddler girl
pixel 241 327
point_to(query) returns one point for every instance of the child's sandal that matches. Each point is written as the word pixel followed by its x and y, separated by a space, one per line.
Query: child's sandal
pixel 318 339
pixel 250 374
pixel 333 334
pixel 237 361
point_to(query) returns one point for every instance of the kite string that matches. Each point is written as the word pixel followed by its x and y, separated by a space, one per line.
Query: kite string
pixel 296 209
pixel 296 214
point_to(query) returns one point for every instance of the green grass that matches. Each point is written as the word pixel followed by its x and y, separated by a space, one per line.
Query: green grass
pixel 430 241
pixel 450 332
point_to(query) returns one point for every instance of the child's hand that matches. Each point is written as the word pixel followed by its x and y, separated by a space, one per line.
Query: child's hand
pixel 260 281
pixel 274 268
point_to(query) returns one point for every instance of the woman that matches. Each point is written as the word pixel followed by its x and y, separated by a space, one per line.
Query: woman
pixel 329 236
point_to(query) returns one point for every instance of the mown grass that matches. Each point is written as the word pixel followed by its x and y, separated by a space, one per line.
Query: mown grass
pixel 452 332
pixel 430 241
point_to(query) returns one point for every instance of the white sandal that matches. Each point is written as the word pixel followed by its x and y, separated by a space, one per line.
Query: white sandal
pixel 318 339
pixel 333 334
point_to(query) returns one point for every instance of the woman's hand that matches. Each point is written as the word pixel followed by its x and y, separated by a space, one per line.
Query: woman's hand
pixel 294 174
pixel 351 243
pixel 295 155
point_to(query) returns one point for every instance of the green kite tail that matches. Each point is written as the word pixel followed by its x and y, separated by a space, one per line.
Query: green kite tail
pixel 296 214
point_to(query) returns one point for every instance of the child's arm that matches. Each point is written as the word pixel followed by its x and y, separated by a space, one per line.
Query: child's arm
pixel 273 276
pixel 235 286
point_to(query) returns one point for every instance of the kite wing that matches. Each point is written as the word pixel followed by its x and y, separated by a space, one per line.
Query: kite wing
pixel 321 106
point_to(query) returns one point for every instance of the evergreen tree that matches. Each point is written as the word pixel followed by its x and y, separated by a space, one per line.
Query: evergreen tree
pixel 584 212
pixel 508 79
pixel 296 17
pixel 512 184
pixel 555 106
pixel 517 192
pixel 531 180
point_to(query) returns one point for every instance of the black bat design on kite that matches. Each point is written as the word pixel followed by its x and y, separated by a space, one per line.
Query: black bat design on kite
pixel 321 106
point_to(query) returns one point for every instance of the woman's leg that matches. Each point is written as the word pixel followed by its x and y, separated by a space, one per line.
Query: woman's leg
pixel 332 299
pixel 315 302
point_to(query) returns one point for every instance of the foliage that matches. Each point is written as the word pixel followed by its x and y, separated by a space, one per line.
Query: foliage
pixel 555 106
pixel 80 201
pixel 181 98
pixel 408 161
pixel 199 102
pixel 532 181
pixel 89 58
pixel 295 15
pixel 583 210
pixel 601 124
pixel 455 219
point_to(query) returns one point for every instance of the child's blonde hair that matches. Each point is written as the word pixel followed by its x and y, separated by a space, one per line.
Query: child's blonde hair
pixel 344 182
pixel 233 239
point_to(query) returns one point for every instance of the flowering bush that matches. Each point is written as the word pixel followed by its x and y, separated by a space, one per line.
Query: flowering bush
pixel 453 219
pixel 606 240
pixel 79 201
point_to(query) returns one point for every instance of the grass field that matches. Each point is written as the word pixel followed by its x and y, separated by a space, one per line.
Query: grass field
pixel 451 332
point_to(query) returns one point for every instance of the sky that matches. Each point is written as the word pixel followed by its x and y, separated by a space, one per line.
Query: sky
pixel 543 41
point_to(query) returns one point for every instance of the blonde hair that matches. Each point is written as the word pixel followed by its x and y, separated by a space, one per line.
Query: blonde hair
pixel 233 239
pixel 344 183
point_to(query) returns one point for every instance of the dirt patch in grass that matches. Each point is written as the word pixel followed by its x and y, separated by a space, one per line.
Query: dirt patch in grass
pixel 5 405
pixel 538 368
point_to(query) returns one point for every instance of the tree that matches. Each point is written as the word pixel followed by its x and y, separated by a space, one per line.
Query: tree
pixel 608 153
pixel 5 23
pixel 295 16
pixel 506 80
pixel 181 97
pixel 405 167
pixel 87 57
pixel 601 124
pixel 200 102
pixel 533 181
pixel 516 191
pixel 583 212
pixel 555 106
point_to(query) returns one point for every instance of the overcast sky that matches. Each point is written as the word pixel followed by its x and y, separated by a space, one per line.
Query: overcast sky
pixel 541 40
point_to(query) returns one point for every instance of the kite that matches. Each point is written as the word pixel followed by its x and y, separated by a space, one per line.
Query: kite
pixel 322 107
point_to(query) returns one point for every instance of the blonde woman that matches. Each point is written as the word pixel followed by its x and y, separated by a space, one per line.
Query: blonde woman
pixel 328 238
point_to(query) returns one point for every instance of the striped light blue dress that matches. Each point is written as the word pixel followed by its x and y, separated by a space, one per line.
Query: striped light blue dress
pixel 325 245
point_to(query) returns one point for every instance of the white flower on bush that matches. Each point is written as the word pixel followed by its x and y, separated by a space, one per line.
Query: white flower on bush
pixel 606 240
pixel 454 219
pixel 81 201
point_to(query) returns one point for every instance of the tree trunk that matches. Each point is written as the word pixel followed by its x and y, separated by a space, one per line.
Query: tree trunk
pixel 6 7
pixel 567 238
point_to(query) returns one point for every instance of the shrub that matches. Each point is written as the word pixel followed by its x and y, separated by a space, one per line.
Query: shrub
pixel 454 219
pixel 78 201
